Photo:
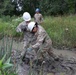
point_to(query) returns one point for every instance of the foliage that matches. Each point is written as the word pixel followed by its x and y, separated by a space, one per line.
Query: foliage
pixel 51 7
pixel 8 26
pixel 6 7
pixel 4 65
pixel 48 7
pixel 60 29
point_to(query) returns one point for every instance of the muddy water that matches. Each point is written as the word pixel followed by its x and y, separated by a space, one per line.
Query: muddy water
pixel 66 53
pixel 55 68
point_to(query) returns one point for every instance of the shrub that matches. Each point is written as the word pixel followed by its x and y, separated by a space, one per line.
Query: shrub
pixel 61 30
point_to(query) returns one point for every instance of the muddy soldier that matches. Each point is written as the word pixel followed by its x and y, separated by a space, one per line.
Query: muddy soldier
pixel 41 42
pixel 38 16
pixel 23 27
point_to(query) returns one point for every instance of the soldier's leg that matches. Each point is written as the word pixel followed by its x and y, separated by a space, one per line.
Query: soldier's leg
pixel 50 52
pixel 25 46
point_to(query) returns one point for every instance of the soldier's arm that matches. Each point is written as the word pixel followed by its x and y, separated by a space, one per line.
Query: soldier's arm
pixel 21 28
pixel 41 18
pixel 18 29
pixel 34 18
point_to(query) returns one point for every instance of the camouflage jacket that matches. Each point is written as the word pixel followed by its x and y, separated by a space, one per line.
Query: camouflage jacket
pixel 38 18
pixel 41 39
pixel 22 27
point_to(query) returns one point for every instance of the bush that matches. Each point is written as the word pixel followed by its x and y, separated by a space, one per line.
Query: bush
pixel 61 30
pixel 8 27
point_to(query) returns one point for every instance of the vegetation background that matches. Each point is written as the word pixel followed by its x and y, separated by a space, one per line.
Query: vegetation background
pixel 47 7
pixel 59 18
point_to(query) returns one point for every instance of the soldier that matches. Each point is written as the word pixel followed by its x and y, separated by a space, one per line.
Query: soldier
pixel 23 27
pixel 41 42
pixel 38 16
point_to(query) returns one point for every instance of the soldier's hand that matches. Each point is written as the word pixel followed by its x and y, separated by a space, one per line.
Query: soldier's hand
pixel 29 49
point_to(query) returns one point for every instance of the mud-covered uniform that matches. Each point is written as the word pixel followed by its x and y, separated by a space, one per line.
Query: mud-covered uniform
pixel 38 18
pixel 22 27
pixel 41 42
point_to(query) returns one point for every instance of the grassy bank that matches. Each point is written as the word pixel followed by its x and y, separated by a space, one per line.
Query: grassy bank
pixel 62 30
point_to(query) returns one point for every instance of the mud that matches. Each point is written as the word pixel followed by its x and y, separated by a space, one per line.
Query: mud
pixel 64 64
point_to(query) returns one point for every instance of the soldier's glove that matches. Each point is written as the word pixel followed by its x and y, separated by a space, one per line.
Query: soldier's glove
pixel 29 49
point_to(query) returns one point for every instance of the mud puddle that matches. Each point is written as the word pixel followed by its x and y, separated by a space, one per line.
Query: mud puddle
pixel 65 65
pixel 66 53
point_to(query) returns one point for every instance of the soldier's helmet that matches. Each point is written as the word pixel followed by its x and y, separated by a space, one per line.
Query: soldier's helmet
pixel 37 10
pixel 26 16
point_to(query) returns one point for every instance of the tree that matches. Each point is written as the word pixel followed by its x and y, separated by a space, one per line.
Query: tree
pixel 47 7
pixel 6 7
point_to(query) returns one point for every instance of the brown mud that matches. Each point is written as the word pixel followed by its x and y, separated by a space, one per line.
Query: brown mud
pixel 64 65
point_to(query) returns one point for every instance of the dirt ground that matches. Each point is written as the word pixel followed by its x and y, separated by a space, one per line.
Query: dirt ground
pixel 67 53
pixel 65 65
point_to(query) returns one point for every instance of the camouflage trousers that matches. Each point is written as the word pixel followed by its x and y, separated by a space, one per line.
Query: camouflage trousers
pixel 46 53
pixel 38 56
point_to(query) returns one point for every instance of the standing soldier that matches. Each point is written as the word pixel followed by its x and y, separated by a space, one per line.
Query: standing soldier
pixel 38 16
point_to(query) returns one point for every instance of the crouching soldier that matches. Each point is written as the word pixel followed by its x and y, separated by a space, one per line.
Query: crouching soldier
pixel 40 42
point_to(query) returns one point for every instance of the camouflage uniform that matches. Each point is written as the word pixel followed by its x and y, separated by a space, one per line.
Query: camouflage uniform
pixel 22 27
pixel 42 42
pixel 38 18
pixel 38 41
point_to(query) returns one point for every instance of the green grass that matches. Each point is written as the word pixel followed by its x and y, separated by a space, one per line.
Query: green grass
pixel 8 27
pixel 6 64
pixel 62 30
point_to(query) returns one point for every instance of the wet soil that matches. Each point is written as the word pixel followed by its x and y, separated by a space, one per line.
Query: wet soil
pixel 64 65
pixel 66 53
